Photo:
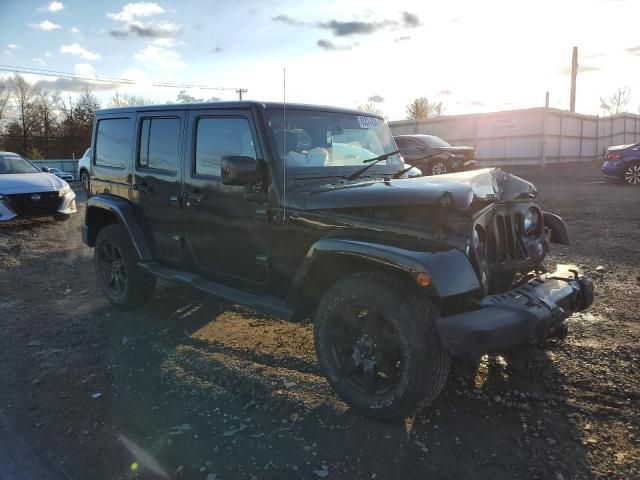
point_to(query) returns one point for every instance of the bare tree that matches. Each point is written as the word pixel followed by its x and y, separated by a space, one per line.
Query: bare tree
pixel 184 97
pixel 422 108
pixel 124 100
pixel 48 116
pixel 5 95
pixel 617 102
pixel 25 96
pixel 84 113
pixel 370 107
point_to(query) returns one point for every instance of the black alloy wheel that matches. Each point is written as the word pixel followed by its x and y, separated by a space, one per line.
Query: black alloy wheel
pixel 112 269
pixel 365 348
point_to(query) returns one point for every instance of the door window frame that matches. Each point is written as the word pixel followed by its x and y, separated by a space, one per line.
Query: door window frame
pixel 142 116
pixel 197 115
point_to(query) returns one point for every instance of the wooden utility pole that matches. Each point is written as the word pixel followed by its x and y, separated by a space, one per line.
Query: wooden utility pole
pixel 240 91
pixel 574 75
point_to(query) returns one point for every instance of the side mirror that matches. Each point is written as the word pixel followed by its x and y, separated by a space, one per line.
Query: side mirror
pixel 238 170
pixel 44 169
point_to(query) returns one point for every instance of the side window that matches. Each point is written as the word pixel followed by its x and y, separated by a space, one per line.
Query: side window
pixel 219 137
pixel 159 143
pixel 113 142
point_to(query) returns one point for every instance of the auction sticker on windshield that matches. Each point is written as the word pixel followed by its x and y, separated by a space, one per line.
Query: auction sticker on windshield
pixel 368 122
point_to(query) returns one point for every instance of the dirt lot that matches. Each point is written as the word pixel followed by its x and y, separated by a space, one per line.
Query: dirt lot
pixel 191 387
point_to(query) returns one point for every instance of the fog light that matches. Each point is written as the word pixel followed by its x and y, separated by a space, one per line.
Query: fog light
pixel 423 279
pixel 540 249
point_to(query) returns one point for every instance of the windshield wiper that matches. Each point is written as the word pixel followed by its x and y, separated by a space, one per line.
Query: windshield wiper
pixel 405 170
pixel 371 162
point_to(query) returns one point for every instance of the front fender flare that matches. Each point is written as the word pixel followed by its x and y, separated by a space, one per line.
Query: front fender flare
pixel 124 211
pixel 450 270
pixel 559 232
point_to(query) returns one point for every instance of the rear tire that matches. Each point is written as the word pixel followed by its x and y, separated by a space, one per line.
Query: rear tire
pixel 377 345
pixel 123 282
pixel 632 174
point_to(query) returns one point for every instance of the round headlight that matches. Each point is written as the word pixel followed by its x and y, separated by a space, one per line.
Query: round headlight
pixel 531 220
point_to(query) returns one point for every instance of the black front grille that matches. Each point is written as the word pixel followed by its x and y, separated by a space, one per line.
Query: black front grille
pixel 505 239
pixel 35 203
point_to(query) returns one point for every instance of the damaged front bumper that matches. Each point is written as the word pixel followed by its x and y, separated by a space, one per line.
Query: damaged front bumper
pixel 525 315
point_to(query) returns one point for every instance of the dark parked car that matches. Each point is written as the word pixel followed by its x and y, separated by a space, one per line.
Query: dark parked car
pixel 312 216
pixel 434 156
pixel 26 191
pixel 622 163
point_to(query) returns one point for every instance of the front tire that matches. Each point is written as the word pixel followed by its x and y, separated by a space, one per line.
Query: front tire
pixel 123 282
pixel 632 174
pixel 377 345
pixel 438 167
pixel 84 179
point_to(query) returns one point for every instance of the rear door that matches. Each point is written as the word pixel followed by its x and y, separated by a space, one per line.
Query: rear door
pixel 157 180
pixel 222 232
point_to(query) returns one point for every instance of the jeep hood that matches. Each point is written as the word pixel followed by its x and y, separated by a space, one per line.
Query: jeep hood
pixel 455 190
pixel 29 182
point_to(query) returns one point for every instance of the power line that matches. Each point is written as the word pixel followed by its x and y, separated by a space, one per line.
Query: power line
pixel 102 79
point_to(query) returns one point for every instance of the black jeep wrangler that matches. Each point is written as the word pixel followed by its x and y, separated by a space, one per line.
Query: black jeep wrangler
pixel 305 211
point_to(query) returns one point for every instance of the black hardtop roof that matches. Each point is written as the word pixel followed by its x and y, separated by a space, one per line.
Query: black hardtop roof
pixel 233 105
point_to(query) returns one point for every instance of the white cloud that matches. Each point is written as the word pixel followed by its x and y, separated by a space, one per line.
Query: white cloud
pixel 52 7
pixel 39 61
pixel 13 46
pixel 48 55
pixel 163 58
pixel 76 49
pixel 84 69
pixel 74 30
pixel 45 25
pixel 131 11
pixel 166 42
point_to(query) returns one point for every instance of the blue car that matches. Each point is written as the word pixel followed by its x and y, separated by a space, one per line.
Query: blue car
pixel 622 163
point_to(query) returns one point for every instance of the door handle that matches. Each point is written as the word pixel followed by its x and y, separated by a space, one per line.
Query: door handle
pixel 143 188
pixel 174 200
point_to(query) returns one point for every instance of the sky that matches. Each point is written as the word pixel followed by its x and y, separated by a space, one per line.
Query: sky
pixel 474 56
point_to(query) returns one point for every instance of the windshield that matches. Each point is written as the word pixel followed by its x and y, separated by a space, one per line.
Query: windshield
pixel 328 140
pixel 16 164
pixel 434 142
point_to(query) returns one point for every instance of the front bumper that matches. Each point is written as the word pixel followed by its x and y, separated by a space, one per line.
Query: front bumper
pixel 66 206
pixel 525 315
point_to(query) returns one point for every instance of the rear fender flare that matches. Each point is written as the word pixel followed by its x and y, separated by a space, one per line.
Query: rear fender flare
pixel 124 211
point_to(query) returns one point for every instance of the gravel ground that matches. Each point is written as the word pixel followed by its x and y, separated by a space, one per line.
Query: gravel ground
pixel 191 387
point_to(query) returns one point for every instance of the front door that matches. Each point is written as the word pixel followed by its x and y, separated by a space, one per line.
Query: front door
pixel 224 237
pixel 157 180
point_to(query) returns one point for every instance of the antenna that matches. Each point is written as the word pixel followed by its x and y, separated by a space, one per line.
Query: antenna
pixel 284 145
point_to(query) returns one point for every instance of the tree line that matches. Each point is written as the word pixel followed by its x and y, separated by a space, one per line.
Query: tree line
pixel 38 123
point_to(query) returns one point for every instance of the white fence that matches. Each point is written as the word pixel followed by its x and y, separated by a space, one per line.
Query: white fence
pixel 529 137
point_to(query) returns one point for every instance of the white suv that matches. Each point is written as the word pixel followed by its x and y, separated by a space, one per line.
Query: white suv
pixel 83 168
